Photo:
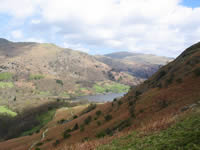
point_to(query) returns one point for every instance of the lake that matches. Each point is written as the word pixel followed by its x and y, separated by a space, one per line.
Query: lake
pixel 101 97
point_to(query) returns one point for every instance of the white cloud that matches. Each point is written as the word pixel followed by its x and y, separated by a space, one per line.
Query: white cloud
pixel 150 26
pixel 32 39
pixel 18 8
pixel 35 21
pixel 78 47
pixel 17 34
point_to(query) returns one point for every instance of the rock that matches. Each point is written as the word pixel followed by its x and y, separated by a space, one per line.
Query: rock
pixel 192 106
pixel 184 108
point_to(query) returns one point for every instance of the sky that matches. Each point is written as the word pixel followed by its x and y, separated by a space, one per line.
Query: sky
pixel 160 27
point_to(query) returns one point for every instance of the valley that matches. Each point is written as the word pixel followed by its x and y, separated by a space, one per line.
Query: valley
pixel 102 113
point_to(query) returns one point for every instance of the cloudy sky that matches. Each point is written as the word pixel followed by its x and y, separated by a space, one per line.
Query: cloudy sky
pixel 161 27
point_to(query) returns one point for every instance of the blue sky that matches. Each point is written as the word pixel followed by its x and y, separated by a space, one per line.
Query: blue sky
pixel 158 27
pixel 191 3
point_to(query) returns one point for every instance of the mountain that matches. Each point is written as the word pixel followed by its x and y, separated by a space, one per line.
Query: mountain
pixel 136 64
pixel 170 95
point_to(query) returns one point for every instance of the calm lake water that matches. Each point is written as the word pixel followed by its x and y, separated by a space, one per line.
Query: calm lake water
pixel 101 97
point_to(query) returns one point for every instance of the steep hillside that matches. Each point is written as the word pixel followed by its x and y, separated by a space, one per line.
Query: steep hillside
pixel 154 105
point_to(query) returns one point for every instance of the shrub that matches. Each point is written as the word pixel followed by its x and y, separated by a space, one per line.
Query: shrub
pixel 100 134
pixel 130 98
pixel 88 120
pixel 59 82
pixel 141 110
pixel 130 103
pixel 98 123
pixel 123 124
pixel 75 116
pixel 115 100
pixel 82 128
pixel 39 144
pixel 98 113
pixel 161 74
pixel 179 80
pixel 37 148
pixel 119 102
pixel 36 77
pixel 197 72
pixel 163 104
pixel 85 139
pixel 137 93
pixel 108 131
pixel 89 108
pixel 108 117
pixel 132 112
pixel 75 127
pixel 61 121
pixel 56 143
pixel 66 135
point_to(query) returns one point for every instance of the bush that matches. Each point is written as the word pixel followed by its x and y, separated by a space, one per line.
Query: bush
pixel 88 120
pixel 132 112
pixel 59 82
pixel 36 77
pixel 85 139
pixel 119 102
pixel 98 113
pixel 179 80
pixel 98 123
pixel 61 121
pixel 39 144
pixel 130 103
pixel 108 131
pixel 197 72
pixel 89 108
pixel 137 93
pixel 123 124
pixel 163 104
pixel 37 148
pixel 66 135
pixel 108 117
pixel 100 134
pixel 161 74
pixel 76 127
pixel 82 128
pixel 74 117
pixel 56 143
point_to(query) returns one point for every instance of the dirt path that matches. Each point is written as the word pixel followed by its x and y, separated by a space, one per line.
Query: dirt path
pixel 42 137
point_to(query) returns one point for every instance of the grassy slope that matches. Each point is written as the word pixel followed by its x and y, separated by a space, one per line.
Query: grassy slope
pixel 184 135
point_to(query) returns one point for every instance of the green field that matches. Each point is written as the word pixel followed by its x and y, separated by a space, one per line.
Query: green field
pixel 36 77
pixel 5 110
pixel 5 85
pixel 184 135
pixel 5 76
pixel 114 88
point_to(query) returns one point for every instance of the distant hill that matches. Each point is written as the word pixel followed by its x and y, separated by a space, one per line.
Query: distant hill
pixel 138 65
pixel 140 58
